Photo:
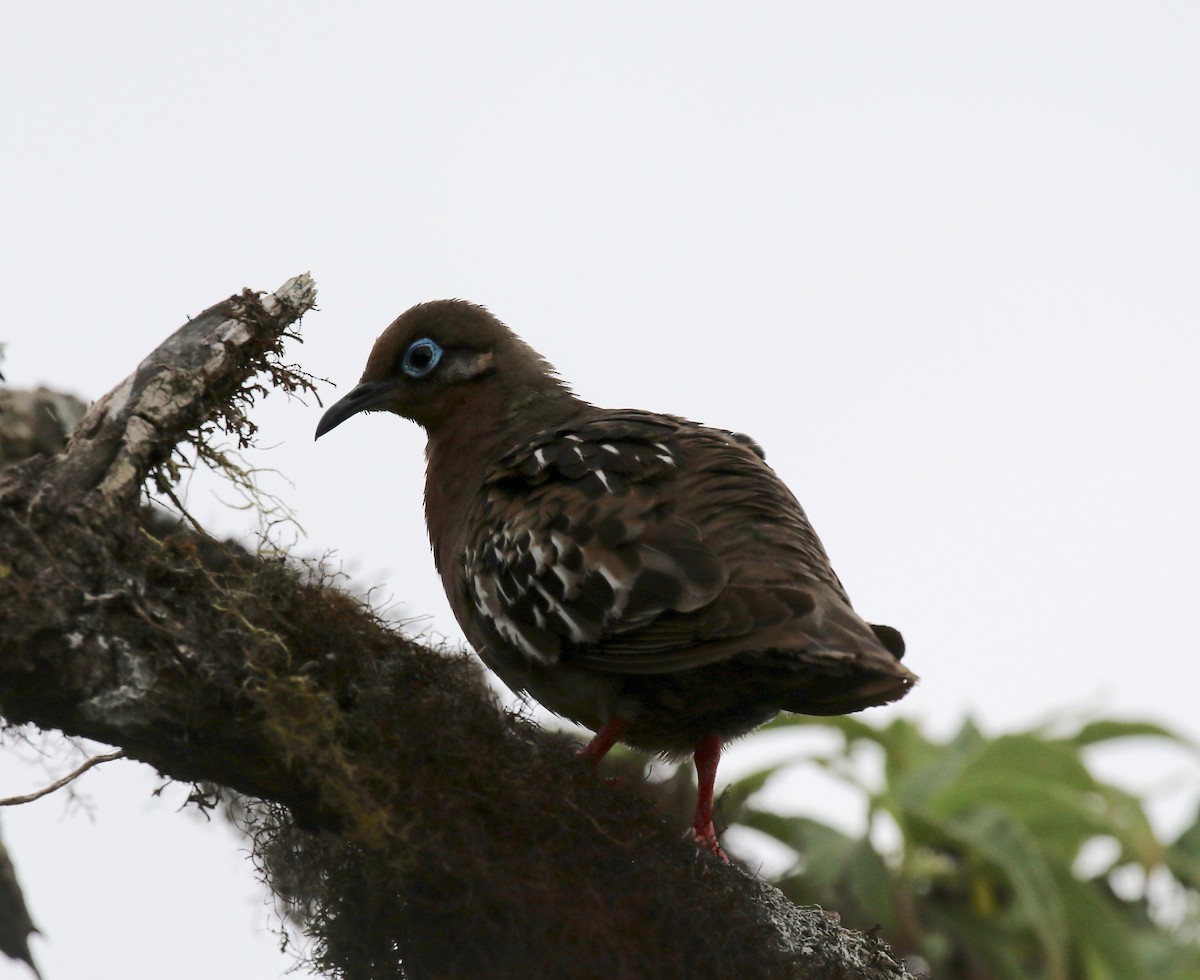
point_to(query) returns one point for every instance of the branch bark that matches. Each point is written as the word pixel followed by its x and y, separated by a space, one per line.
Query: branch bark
pixel 413 827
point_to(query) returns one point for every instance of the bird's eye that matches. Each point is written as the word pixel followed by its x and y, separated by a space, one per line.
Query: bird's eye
pixel 421 357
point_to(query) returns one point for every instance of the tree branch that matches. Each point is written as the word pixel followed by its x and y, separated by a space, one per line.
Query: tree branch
pixel 421 825
pixel 60 783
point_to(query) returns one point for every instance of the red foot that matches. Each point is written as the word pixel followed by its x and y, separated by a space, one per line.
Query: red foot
pixel 706 839
pixel 706 756
pixel 603 740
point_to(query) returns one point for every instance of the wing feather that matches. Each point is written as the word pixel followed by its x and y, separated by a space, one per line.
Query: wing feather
pixel 636 543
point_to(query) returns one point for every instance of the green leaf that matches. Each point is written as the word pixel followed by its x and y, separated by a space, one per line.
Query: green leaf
pixel 735 795
pixel 980 942
pixel 1128 823
pixel 852 729
pixel 1021 758
pixel 1104 730
pixel 1166 957
pixel 991 829
pixel 869 883
pixel 824 852
pixel 990 836
pixel 1183 857
pixel 824 848
pixel 1101 936
pixel 837 871
pixel 918 769
pixel 1038 783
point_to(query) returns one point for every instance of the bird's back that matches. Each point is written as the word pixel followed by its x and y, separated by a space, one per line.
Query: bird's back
pixel 643 559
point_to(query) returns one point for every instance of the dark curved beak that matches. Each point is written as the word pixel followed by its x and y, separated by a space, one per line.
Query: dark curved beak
pixel 370 396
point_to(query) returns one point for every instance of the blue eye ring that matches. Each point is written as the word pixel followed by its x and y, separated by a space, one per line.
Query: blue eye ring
pixel 421 357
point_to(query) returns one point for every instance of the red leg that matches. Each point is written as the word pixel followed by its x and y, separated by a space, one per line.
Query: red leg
pixel 603 740
pixel 707 755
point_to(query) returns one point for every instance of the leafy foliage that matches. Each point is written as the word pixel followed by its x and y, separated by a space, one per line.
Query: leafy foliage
pixel 985 881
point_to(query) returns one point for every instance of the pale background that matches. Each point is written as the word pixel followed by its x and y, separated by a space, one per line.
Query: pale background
pixel 939 258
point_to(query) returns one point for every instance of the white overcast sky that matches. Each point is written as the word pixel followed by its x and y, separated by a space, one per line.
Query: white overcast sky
pixel 941 259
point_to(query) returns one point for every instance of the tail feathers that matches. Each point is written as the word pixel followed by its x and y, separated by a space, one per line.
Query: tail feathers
pixel 891 639
pixel 834 696
pixel 857 665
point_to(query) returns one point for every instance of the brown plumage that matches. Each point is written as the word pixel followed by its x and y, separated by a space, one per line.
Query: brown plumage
pixel 643 575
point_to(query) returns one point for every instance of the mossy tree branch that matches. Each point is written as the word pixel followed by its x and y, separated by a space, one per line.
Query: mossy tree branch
pixel 403 816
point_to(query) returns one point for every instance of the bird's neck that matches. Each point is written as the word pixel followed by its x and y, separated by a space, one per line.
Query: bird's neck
pixel 468 440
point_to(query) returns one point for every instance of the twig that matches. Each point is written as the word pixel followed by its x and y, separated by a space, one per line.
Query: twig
pixel 60 783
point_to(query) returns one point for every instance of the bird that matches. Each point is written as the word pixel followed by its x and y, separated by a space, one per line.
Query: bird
pixel 648 577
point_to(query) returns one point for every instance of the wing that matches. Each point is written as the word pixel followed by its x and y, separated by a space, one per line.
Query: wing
pixel 576 541
pixel 637 543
